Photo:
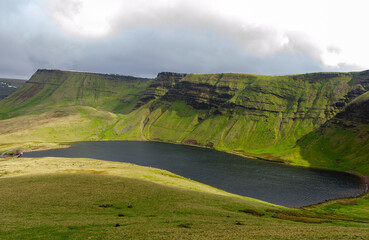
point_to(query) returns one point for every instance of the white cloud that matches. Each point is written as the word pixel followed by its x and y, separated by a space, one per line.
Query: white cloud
pixel 321 24
pixel 262 27
pixel 145 36
pixel 91 18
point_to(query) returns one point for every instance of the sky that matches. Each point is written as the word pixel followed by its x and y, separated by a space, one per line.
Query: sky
pixel 145 37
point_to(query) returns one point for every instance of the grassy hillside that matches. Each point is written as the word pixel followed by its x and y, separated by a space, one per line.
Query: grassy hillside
pixel 254 115
pixel 58 198
pixel 8 86
pixel 343 142
pixel 262 116
pixel 50 89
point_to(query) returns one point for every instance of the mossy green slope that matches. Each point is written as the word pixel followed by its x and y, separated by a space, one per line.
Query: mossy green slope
pixel 254 115
pixel 343 142
pixel 49 89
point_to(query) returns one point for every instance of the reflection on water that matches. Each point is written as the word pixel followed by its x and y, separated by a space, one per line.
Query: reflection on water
pixel 276 183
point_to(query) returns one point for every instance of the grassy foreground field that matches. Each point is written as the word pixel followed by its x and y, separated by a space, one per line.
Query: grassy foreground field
pixel 58 198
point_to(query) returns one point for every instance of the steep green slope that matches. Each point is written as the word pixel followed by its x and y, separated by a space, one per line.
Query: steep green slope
pixel 53 88
pixel 253 115
pixel 343 142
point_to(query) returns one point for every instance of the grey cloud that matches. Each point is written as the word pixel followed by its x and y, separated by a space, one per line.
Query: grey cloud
pixel 146 53
pixel 344 67
pixel 28 41
pixel 259 40
pixel 188 45
pixel 334 49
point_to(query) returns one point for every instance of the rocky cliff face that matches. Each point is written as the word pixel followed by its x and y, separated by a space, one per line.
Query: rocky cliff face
pixel 276 117
pixel 226 93
pixel 162 83
pixel 248 112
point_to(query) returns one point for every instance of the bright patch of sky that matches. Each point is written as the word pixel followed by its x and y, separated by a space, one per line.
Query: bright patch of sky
pixel 143 37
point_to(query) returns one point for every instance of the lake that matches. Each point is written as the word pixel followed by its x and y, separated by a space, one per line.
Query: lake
pixel 272 182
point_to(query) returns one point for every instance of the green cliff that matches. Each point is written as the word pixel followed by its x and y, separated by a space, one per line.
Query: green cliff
pixel 283 118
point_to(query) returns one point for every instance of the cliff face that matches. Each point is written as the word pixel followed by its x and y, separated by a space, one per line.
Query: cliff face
pixel 227 93
pixel 244 112
pixel 277 117
pixel 357 112
pixel 159 87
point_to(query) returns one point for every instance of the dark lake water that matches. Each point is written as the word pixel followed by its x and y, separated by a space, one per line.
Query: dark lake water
pixel 272 182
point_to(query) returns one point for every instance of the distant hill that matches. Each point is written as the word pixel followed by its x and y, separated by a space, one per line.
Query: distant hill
pixel 55 88
pixel 8 86
pixel 315 119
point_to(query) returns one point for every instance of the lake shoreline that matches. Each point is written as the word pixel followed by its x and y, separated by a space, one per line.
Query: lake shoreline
pixel 364 179
pixel 84 152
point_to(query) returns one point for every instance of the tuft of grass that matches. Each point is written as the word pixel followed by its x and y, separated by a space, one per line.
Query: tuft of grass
pixel 106 205
pixel 313 214
pixel 299 219
pixel 252 212
pixel 185 225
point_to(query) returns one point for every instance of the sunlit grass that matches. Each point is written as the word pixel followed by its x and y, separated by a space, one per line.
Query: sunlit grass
pixel 55 198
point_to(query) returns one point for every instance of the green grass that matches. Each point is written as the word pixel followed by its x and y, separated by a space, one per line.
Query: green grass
pixel 51 165
pixel 48 89
pixel 54 127
pixel 338 149
pixel 85 206
pixel 341 143
pixel 171 124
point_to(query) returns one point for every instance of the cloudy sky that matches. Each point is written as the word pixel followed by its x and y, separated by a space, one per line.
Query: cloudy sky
pixel 144 37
